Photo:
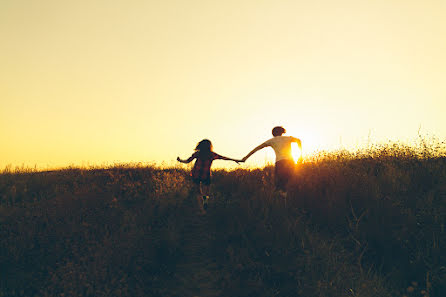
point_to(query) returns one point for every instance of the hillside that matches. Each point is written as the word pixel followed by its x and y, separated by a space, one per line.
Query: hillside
pixel 352 225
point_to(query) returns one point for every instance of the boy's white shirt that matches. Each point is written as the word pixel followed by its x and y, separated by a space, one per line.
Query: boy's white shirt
pixel 281 146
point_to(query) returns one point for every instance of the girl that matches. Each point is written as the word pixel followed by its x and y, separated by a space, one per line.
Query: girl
pixel 201 172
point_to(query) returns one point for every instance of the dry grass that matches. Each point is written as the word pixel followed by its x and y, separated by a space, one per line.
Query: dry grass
pixel 364 224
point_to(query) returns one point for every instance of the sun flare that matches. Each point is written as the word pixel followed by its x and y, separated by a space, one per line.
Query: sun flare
pixel 295 152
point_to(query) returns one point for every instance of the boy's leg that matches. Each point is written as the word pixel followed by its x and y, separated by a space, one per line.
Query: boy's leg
pixel 283 171
pixel 279 176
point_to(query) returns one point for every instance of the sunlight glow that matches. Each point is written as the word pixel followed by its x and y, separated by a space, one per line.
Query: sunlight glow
pixel 295 151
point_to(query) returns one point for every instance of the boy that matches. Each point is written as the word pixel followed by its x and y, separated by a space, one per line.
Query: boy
pixel 285 164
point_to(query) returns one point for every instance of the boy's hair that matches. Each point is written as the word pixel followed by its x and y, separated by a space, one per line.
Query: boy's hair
pixel 278 131
pixel 204 148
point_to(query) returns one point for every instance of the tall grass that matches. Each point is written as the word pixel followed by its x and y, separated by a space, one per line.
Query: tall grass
pixel 368 223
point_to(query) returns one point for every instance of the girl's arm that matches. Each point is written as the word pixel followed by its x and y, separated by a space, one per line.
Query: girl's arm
pixel 185 161
pixel 230 159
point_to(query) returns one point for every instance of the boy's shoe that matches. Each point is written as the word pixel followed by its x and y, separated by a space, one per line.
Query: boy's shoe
pixel 205 202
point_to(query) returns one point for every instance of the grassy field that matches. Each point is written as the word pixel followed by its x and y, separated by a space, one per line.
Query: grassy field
pixel 364 224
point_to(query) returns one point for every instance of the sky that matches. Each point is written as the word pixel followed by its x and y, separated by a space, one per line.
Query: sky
pixel 86 83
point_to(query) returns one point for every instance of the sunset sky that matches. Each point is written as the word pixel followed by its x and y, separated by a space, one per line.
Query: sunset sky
pixel 97 82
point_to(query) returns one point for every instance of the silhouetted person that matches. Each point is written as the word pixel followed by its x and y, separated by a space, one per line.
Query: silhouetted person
pixel 201 172
pixel 285 163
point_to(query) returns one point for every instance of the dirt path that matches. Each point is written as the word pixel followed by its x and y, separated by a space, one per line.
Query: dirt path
pixel 196 274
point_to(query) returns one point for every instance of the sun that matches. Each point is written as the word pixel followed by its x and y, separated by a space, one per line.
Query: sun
pixel 311 142
pixel 295 152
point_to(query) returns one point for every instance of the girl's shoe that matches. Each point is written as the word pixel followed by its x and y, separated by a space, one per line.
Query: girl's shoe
pixel 205 202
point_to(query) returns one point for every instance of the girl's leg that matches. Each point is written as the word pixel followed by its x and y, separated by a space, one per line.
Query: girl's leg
pixel 198 195
pixel 200 204
pixel 194 189
pixel 202 201
pixel 205 189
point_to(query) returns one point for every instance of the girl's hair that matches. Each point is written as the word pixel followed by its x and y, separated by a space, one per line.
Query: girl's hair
pixel 204 148
pixel 278 131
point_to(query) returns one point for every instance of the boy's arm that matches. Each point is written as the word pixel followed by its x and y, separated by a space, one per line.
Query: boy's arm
pixel 253 151
pixel 297 140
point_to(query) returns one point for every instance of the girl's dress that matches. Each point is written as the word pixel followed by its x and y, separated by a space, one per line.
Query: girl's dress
pixel 201 172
